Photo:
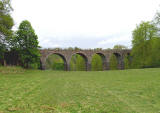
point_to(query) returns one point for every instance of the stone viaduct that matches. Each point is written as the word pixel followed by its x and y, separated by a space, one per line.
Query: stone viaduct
pixel 87 55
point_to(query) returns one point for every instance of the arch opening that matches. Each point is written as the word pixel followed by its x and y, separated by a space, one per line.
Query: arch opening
pixel 98 62
pixel 56 61
pixel 78 62
pixel 127 61
pixel 115 61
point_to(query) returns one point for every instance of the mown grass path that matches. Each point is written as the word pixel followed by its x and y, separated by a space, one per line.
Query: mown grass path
pixel 127 91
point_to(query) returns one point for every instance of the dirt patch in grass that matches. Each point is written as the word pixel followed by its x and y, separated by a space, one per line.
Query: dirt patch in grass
pixel 48 107
pixel 12 109
pixel 11 70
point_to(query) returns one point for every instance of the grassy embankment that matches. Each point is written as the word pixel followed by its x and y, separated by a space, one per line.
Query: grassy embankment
pixel 35 91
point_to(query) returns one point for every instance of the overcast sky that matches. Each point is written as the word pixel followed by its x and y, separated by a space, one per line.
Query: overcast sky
pixel 84 23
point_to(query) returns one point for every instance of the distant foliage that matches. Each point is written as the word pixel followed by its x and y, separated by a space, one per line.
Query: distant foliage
pixel 55 62
pixel 113 62
pixel 127 61
pixel 97 63
pixel 77 63
pixel 119 47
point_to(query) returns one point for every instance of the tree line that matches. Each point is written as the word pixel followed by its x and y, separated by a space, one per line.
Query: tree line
pixel 146 44
pixel 21 47
pixel 17 47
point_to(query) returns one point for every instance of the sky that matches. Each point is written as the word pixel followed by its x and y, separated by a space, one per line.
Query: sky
pixel 84 23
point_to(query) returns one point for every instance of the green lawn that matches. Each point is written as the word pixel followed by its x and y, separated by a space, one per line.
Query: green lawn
pixel 126 91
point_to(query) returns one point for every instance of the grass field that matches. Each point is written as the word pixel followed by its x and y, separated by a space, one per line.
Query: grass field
pixel 127 91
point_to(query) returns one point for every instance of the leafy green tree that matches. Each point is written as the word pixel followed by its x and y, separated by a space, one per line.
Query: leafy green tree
pixel 55 62
pixel 97 63
pixel 127 61
pixel 80 63
pixel 27 42
pixel 77 63
pixel 154 57
pixel 113 62
pixel 73 63
pixel 142 44
pixel 6 24
pixel 5 6
pixel 119 47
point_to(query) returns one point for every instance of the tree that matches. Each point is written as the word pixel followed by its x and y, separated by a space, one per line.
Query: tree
pixel 77 63
pixel 96 64
pixel 113 62
pixel 156 22
pixel 6 23
pixel 157 19
pixel 80 63
pixel 114 59
pixel 119 47
pixel 127 61
pixel 154 58
pixel 55 62
pixel 142 43
pixel 27 42
pixel 5 6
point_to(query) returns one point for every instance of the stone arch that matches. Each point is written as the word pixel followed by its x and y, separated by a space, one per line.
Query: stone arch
pixel 84 57
pixel 61 55
pixel 117 54
pixel 103 57
pixel 120 59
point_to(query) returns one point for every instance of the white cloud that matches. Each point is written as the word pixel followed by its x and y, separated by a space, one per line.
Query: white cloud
pixel 74 22
pixel 110 42
pixel 114 40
